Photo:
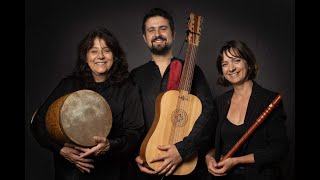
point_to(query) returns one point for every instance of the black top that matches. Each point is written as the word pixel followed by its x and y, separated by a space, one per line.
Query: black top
pixel 230 134
pixel 127 127
pixel 269 142
pixel 151 84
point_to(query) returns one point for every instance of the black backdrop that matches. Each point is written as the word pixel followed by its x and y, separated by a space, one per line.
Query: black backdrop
pixel 53 29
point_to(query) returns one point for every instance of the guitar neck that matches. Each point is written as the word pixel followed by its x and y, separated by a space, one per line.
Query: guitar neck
pixel 194 33
pixel 188 68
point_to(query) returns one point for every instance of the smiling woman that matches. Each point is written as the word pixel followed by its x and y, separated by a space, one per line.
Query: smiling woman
pixel 237 111
pixel 102 68
pixel 100 59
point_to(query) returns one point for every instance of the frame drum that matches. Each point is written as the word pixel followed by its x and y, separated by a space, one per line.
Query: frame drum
pixel 78 116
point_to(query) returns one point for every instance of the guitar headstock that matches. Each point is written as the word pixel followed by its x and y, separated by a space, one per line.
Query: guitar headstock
pixel 194 29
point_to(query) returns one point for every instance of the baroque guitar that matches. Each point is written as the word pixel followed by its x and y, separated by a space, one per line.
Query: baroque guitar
pixel 176 111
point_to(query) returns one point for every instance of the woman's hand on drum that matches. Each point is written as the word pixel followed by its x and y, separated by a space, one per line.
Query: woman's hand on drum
pixel 100 149
pixel 73 155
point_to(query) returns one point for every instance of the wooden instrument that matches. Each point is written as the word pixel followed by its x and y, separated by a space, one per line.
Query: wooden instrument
pixel 254 126
pixel 78 116
pixel 176 110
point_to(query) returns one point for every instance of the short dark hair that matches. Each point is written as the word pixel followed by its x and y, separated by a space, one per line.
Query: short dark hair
pixel 157 12
pixel 242 51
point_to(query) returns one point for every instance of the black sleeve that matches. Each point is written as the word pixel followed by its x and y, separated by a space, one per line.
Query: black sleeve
pixel 278 143
pixel 205 124
pixel 38 126
pixel 133 126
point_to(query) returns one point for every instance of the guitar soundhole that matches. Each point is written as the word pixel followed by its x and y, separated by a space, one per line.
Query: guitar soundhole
pixel 179 117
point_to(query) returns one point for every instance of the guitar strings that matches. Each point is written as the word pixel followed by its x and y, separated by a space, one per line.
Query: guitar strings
pixel 187 77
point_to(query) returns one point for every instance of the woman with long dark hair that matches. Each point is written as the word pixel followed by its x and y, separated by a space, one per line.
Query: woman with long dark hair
pixel 101 67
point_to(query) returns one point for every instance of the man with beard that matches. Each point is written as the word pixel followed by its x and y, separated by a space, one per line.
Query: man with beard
pixel 152 79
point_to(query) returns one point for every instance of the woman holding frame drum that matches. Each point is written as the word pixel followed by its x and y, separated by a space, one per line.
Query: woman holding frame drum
pixel 101 67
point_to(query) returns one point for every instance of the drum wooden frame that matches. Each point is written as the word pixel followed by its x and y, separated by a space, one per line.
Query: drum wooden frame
pixel 78 116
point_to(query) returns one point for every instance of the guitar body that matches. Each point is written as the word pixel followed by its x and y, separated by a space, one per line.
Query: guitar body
pixel 176 111
pixel 175 114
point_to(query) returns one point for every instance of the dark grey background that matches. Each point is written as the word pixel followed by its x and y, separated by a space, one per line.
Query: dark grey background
pixel 54 28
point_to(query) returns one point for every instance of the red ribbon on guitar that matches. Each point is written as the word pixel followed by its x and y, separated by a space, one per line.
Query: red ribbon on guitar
pixel 174 76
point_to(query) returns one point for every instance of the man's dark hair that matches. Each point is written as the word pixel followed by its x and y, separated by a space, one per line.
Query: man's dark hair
pixel 157 12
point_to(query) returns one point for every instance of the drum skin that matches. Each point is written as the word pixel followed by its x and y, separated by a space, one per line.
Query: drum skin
pixel 78 116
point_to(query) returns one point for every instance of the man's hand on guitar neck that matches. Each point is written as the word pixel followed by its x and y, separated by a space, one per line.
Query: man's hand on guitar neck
pixel 171 159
